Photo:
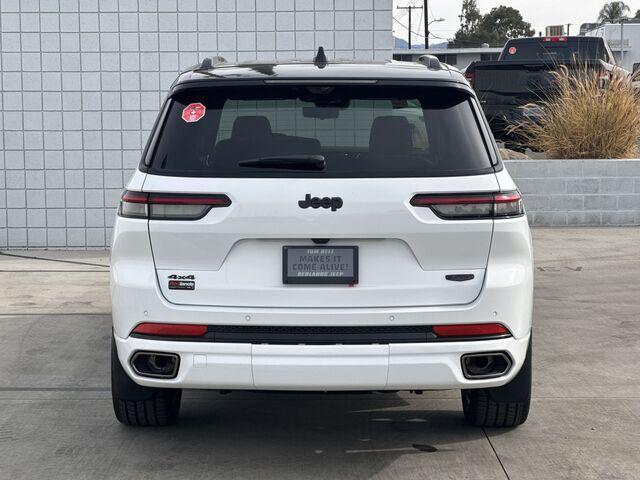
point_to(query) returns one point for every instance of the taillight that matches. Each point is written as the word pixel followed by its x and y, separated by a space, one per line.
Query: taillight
pixel 471 330
pixel 170 330
pixel 169 206
pixel 133 205
pixel 471 78
pixel 472 206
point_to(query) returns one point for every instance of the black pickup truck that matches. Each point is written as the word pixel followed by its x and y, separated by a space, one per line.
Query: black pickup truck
pixel 521 75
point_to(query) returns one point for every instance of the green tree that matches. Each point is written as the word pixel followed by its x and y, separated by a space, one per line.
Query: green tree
pixel 612 12
pixel 637 15
pixel 470 16
pixel 493 28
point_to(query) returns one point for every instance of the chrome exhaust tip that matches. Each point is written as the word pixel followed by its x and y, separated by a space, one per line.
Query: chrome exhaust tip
pixel 155 364
pixel 478 366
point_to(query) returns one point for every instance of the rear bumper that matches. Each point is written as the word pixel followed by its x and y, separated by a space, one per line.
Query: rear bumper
pixel 406 366
pixel 506 298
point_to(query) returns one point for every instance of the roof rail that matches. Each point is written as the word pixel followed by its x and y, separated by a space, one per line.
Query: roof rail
pixel 430 62
pixel 209 63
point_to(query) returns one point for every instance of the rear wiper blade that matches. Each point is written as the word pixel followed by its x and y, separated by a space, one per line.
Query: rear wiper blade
pixel 287 162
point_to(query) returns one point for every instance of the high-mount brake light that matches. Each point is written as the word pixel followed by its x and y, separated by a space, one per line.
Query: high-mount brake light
pixel 472 206
pixel 559 38
pixel 471 330
pixel 170 330
pixel 169 206
pixel 471 78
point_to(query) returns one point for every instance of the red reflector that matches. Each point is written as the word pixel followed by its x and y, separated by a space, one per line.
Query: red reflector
pixel 473 330
pixel 170 330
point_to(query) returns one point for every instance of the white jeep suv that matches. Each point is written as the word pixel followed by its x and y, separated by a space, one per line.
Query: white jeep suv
pixel 321 226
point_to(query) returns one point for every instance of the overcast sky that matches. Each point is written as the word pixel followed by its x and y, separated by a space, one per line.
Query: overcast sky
pixel 539 13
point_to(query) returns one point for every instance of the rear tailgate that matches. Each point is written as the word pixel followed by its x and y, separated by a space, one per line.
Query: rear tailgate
pixel 369 147
pixel 235 253
pixel 515 83
pixel 512 83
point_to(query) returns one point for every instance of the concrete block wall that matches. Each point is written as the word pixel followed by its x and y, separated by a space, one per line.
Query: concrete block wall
pixel 579 192
pixel 82 80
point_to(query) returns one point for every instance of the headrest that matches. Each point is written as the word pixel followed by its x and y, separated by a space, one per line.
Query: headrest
pixel 390 135
pixel 251 127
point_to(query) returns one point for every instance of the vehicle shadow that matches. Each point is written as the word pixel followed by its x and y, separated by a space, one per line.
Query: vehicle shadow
pixel 295 435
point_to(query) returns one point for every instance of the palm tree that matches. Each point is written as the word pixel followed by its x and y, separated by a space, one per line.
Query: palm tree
pixel 613 11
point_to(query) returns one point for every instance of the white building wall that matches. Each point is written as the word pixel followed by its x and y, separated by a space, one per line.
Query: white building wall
pixel 82 81
pixel 464 59
pixel 463 56
pixel 630 33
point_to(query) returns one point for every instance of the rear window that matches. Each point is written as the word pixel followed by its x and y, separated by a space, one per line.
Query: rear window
pixel 356 131
pixel 572 50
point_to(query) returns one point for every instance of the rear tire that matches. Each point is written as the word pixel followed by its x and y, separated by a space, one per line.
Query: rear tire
pixel 506 406
pixel 139 406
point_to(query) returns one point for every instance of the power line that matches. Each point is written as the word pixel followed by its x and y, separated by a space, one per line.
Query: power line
pixel 403 13
pixel 407 28
pixel 410 9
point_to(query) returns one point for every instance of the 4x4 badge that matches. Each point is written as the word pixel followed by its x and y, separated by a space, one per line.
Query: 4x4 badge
pixel 334 203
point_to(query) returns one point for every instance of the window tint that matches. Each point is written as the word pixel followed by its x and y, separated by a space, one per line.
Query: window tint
pixel 361 131
pixel 571 50
pixel 489 57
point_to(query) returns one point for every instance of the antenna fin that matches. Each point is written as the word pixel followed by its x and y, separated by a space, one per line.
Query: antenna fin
pixel 320 60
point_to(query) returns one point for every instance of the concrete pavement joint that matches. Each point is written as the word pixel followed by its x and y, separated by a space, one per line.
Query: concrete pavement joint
pixel 496 454
pixel 75 262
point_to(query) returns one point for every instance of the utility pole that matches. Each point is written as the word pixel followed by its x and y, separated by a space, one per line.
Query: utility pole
pixel 410 8
pixel 426 24
pixel 622 40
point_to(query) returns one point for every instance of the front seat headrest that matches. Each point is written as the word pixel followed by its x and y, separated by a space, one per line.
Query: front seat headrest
pixel 390 135
pixel 251 127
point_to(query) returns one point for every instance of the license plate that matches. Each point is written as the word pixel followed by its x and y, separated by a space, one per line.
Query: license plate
pixel 320 265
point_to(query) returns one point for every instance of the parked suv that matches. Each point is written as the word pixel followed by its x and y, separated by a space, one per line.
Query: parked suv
pixel 321 226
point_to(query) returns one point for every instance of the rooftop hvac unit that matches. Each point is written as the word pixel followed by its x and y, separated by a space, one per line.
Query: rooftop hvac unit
pixel 554 30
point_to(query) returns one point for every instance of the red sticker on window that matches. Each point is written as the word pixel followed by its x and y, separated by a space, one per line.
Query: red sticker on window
pixel 512 50
pixel 193 112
